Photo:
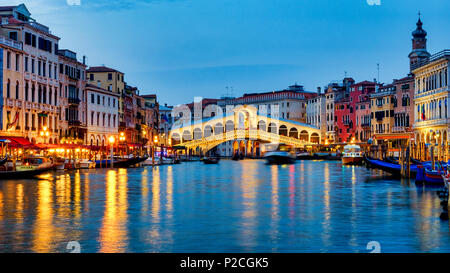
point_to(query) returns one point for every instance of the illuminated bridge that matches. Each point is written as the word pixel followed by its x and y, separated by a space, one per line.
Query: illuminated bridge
pixel 245 127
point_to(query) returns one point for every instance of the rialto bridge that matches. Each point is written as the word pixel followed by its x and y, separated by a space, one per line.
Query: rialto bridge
pixel 244 126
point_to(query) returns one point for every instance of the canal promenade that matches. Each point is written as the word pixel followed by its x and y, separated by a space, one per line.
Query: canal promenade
pixel 244 206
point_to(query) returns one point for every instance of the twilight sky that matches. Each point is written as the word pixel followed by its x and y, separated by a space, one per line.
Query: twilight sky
pixel 179 49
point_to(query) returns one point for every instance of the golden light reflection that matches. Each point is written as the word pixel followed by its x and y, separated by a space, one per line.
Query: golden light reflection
pixel 113 233
pixel 275 203
pixel 86 192
pixel 63 198
pixel 43 228
pixel 169 189
pixel 156 205
pixel 326 192
pixel 1 206
pixel 19 203
pixel 77 196
pixel 248 187
pixel 144 192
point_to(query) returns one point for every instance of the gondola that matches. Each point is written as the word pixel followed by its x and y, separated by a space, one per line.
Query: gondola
pixel 392 168
pixel 210 160
pixel 120 163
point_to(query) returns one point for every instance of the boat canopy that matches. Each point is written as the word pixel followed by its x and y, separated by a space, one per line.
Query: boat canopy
pixel 352 148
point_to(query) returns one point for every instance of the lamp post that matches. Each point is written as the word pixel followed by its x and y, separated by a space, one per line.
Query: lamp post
pixel 44 133
pixel 111 142
pixel 155 142
pixel 122 137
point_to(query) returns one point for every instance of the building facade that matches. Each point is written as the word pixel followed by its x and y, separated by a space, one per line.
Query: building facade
pixel 72 98
pixel 102 115
pixel 34 102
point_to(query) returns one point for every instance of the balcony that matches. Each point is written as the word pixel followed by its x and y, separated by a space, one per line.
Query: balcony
pixel 74 101
pixel 365 125
pixel 432 122
pixel 10 43
pixel 435 57
pixel 74 123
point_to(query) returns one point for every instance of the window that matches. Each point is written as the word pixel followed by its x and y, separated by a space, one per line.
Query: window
pixel 26 64
pixel 32 66
pixel 92 118
pixel 98 119
pixel 98 99
pixel 8 60
pixel 109 77
pixel 8 89
pixel 92 98
pixel 17 90
pixel 39 68
pixel 17 62
pixel 91 77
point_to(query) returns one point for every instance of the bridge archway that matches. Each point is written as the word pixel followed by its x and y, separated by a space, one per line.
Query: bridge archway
pixel 218 129
pixel 229 126
pixel 283 131
pixel 198 134
pixel 208 131
pixel 187 135
pixel 262 125
pixel 304 135
pixel 273 128
pixel 315 138
pixel 293 133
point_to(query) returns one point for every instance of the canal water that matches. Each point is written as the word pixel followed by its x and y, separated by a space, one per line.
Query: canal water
pixel 243 206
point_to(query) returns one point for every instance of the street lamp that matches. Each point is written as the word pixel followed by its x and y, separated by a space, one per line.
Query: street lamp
pixel 44 133
pixel 111 142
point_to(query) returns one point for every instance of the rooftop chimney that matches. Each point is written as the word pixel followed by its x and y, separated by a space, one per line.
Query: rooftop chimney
pixel 319 90
pixel 84 59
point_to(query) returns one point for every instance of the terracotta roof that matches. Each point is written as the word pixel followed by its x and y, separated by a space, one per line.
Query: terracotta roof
pixel 101 69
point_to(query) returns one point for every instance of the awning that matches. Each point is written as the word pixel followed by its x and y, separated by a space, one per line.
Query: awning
pixel 395 136
pixel 18 142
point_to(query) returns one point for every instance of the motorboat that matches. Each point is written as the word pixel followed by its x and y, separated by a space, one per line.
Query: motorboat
pixel 282 155
pixel 352 155
pixel 86 164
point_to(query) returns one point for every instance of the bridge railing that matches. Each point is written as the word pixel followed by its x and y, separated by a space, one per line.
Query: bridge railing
pixel 216 139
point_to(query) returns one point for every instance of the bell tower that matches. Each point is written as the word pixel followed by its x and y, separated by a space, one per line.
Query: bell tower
pixel 419 45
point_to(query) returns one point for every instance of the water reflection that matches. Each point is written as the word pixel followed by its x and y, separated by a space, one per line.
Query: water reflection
pixel 113 233
pixel 243 206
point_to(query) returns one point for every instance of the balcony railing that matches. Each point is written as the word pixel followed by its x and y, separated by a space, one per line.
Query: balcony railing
pixel 443 54
pixel 74 123
pixel 11 43
pixel 74 100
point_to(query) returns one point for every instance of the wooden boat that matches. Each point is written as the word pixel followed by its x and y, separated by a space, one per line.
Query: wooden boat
pixel 392 168
pixel 28 168
pixel 119 163
pixel 426 175
pixel 282 155
pixel 210 160
pixel 352 155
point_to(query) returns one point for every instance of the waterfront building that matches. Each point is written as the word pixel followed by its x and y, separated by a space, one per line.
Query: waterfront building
pixel 316 112
pixel 335 91
pixel 431 95
pixel 363 119
pixel 151 126
pixel 165 122
pixel 382 105
pixel 111 80
pixel 403 105
pixel 30 108
pixel 102 115
pixel 431 111
pixel 72 98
